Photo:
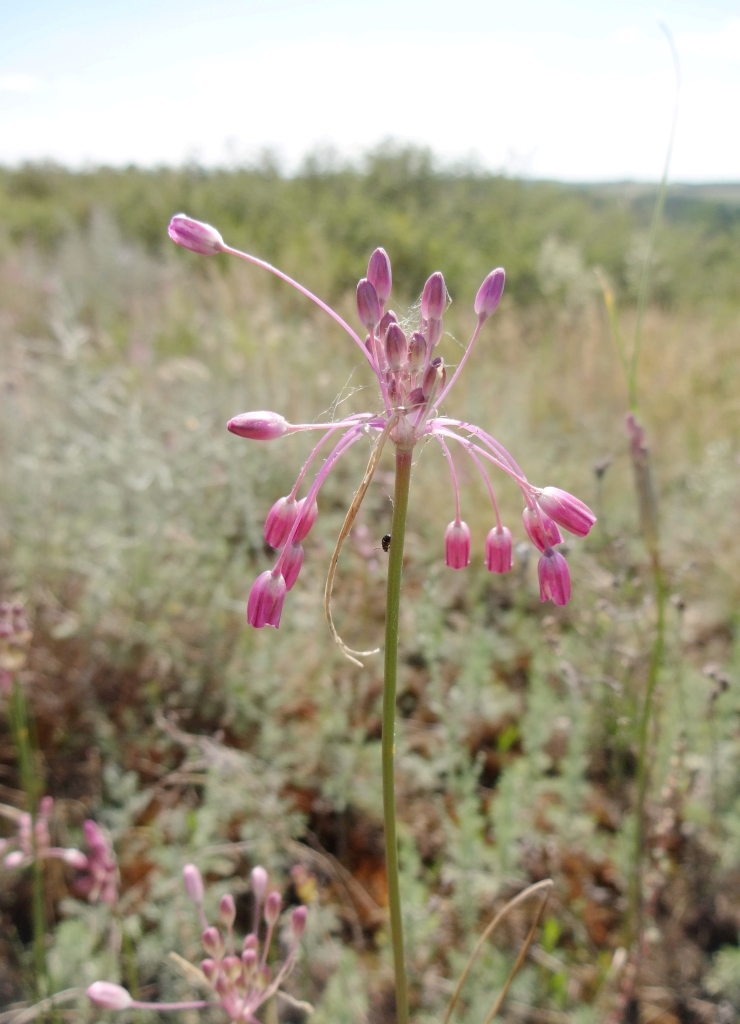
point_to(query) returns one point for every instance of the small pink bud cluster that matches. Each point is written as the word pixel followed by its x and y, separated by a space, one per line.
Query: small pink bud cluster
pixel 241 981
pixel 33 842
pixel 100 879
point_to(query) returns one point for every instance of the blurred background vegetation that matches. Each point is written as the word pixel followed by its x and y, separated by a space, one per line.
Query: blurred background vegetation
pixel 131 528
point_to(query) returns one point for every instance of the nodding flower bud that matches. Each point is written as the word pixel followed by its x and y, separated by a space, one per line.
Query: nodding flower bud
pixel 435 372
pixel 457 545
pixel 541 529
pixel 109 996
pixel 379 273
pixel 489 293
pixel 259 882
pixel 280 521
pixel 396 347
pixel 209 968
pixel 258 426
pixel 193 883
pixel 76 859
pixel 434 297
pixel 266 599
pixel 567 510
pixel 368 306
pixel 554 578
pixel 272 907
pixel 227 910
pixel 298 921
pixel 195 235
pixel 498 550
pixel 306 518
pixel 417 351
pixel 213 944
pixel 387 319
pixel 292 564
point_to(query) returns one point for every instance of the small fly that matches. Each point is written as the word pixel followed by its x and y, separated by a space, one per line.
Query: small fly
pixel 386 542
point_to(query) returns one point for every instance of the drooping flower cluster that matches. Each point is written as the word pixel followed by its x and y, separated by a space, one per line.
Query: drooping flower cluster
pixel 413 385
pixel 240 982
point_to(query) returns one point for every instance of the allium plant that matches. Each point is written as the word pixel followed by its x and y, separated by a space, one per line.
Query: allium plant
pixel 240 982
pixel 414 384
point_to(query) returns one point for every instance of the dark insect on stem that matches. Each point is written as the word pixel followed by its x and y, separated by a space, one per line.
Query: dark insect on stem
pixel 386 542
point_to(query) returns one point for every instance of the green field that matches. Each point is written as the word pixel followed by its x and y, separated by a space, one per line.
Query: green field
pixel 131 529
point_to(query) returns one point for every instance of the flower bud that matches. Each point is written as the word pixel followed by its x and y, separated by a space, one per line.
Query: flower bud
pixel 417 351
pixel 193 883
pixel 232 967
pixel 209 968
pixel 416 397
pixel 46 806
pixel 195 235
pixel 541 529
pixel 249 959
pixel 379 273
pixel 567 510
pixel 266 599
pixel 434 297
pixel 272 907
pixel 250 942
pixel 227 910
pixel 292 564
pixel 212 942
pixel 396 347
pixel 259 882
pixel 280 521
pixel 95 838
pixel 14 859
pixel 258 426
pixel 554 576
pixel 75 859
pixel 435 372
pixel 368 306
pixel 306 519
pixel 457 545
pixel 498 550
pixel 489 293
pixel 388 319
pixel 433 332
pixel 298 921
pixel 109 996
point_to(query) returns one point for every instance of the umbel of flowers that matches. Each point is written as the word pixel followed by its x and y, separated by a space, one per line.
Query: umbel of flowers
pixel 240 979
pixel 414 384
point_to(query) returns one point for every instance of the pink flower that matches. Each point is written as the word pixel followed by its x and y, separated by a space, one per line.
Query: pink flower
pixel 266 599
pixel 554 578
pixel 457 545
pixel 413 385
pixel 499 550
pixel 195 235
pixel 567 510
pixel 109 996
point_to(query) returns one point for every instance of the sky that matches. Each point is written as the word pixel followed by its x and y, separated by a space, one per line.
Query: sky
pixel 578 90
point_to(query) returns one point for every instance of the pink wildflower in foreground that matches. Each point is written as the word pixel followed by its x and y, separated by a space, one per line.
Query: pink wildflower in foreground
pixel 241 982
pixel 413 385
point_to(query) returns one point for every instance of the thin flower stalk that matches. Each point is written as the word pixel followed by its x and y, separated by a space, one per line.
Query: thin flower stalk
pixel 413 383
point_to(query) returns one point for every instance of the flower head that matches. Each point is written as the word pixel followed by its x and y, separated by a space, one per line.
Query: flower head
pixel 240 983
pixel 413 385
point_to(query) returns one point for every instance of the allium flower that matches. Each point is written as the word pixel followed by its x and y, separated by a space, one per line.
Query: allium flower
pixel 240 983
pixel 413 387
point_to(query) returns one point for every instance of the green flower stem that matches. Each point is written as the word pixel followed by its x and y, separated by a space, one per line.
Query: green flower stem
pixel 395 568
pixel 30 784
